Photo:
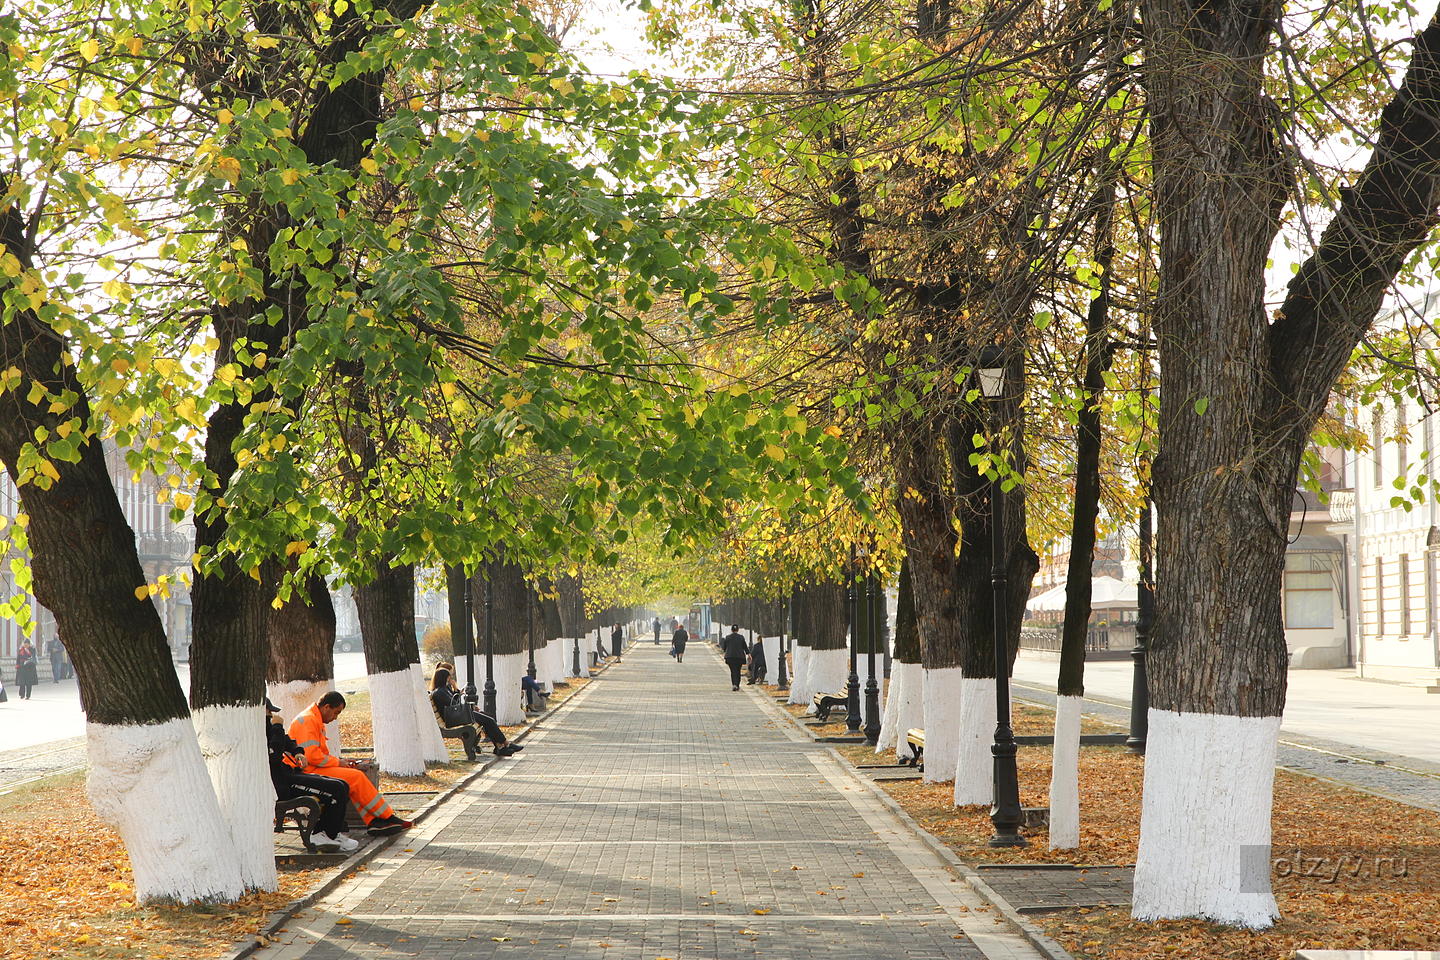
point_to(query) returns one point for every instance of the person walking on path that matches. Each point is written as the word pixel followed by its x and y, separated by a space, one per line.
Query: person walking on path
pixel 617 640
pixel 26 674
pixel 678 641
pixel 444 695
pixel 656 627
pixel 757 661
pixel 308 731
pixel 735 650
pixel 286 758
pixel 56 651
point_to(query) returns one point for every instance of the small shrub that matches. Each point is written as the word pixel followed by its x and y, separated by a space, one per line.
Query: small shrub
pixel 435 645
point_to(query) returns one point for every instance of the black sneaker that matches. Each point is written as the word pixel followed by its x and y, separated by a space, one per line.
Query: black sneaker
pixel 384 826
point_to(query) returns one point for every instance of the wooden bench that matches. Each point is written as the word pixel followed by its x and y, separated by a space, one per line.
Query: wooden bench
pixel 915 737
pixel 825 702
pixel 305 811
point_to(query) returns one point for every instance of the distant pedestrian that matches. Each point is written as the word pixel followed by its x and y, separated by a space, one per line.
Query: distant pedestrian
pixel 678 641
pixel 656 627
pixel 56 651
pixel 617 640
pixel 757 661
pixel 26 675
pixel 735 650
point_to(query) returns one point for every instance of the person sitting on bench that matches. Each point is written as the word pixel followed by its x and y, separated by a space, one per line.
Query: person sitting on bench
pixel 534 695
pixel 286 759
pixel 308 730
pixel 443 693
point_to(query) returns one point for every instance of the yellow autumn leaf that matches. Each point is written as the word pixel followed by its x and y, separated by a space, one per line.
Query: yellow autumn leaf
pixel 254 573
pixel 774 452
pixel 296 546
pixel 369 165
pixel 833 430
pixel 289 176
pixel 224 116
pixel 277 603
pixel 447 390
pixel 90 49
pixel 761 911
pixel 48 469
pixel 183 501
pixel 229 168
pixel 142 591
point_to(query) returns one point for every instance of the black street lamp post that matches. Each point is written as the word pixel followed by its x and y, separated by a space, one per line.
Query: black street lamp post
pixel 852 700
pixel 782 676
pixel 470 694
pixel 872 686
pixel 1144 618
pixel 489 648
pixel 1005 814
pixel 530 640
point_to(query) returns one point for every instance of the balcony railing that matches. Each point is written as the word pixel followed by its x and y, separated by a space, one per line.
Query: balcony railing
pixel 1342 506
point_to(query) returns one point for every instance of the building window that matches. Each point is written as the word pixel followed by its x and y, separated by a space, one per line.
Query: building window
pixel 1405 595
pixel 1309 603
pixel 1377 437
pixel 1379 596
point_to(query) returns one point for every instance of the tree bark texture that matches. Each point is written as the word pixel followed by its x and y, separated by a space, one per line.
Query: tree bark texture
pixel 1224 478
pixel 824 620
pixel 1097 354
pixel 386 608
pixel 974 589
pixel 509 605
pixel 302 636
pixel 571 602
pixel 907 631
pixel 85 566
pixel 926 509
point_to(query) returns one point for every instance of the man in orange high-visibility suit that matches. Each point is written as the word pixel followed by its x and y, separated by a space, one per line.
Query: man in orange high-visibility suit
pixel 308 730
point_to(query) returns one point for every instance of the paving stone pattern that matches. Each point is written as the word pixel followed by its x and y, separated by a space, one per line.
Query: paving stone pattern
pixel 29 764
pixel 660 815
pixel 1049 889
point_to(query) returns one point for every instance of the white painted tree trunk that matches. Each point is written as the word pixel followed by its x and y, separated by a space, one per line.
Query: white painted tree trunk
pixel 568 655
pixel 829 673
pixel 297 696
pixel 432 745
pixel 905 698
pixel 800 691
pixel 772 659
pixel 550 667
pixel 232 741
pixel 509 705
pixel 1065 776
pixel 942 692
pixel 394 724
pixel 1205 819
pixel 887 738
pixel 974 763
pixel 910 710
pixel 141 777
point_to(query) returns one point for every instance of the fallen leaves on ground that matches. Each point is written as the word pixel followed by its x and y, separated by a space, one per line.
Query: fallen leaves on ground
pixel 1372 862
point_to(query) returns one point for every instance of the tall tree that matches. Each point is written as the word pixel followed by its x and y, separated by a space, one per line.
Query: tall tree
pixel 1242 391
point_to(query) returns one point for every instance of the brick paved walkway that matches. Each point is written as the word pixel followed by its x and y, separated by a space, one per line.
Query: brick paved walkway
pixel 659 815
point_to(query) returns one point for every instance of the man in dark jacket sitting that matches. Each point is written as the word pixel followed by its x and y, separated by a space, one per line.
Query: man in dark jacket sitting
pixel 735 650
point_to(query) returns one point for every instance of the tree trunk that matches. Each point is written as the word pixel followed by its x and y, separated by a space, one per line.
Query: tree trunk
pixel 302 650
pixel 1242 393
pixel 509 608
pixel 1065 754
pixel 386 607
pixel 828 669
pixel 800 691
pixel 905 704
pixel 143 752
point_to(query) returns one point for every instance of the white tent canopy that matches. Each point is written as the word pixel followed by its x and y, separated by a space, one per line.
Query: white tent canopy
pixel 1106 593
